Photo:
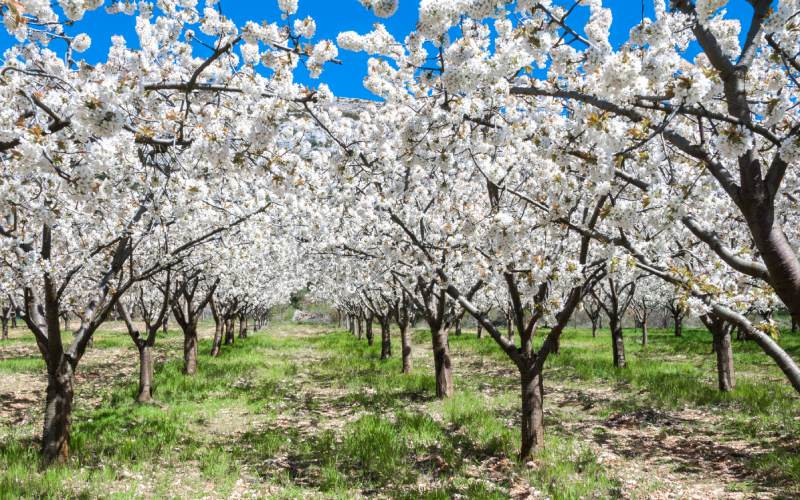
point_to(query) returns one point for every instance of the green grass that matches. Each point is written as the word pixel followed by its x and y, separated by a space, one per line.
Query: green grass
pixel 292 416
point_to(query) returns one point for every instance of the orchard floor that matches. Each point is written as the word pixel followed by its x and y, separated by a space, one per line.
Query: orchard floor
pixel 304 411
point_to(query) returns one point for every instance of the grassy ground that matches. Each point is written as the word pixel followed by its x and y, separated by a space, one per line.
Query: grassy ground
pixel 298 411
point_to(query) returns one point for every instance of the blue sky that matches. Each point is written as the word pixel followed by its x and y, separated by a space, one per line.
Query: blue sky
pixel 334 16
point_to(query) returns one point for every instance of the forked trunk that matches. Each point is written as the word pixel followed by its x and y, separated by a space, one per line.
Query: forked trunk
pixel 57 414
pixel 532 413
pixel 442 364
pixel 190 352
pixel 405 341
pixel 145 373
pixel 386 339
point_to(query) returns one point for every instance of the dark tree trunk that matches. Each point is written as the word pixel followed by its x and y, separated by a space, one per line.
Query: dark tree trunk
pixel 509 326
pixel 359 328
pixel 794 325
pixel 532 413
pixel 442 364
pixel 644 330
pixel 145 373
pixel 164 325
pixel 57 414
pixel 242 327
pixel 480 330
pixel 678 319
pixel 617 343
pixel 219 327
pixel 190 351
pixel 386 339
pixel 458 327
pixel 229 327
pixel 594 327
pixel 14 320
pixel 369 332
pixel 4 321
pixel 406 343
pixel 723 348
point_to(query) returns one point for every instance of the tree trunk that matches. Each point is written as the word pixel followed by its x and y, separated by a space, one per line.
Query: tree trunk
pixel 678 325
pixel 242 327
pixel 532 412
pixel 617 343
pixel 794 325
pixel 480 330
pixel 164 324
pixel 359 328
pixel 190 352
pixel 644 331
pixel 458 327
pixel 406 343
pixel 145 373
pixel 219 326
pixel 724 349
pixel 594 327
pixel 721 333
pixel 442 364
pixel 57 414
pixel 4 321
pixel 509 329
pixel 229 336
pixel 386 339
pixel 369 332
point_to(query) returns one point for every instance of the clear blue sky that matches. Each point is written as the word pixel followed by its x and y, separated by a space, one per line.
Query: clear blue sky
pixel 334 16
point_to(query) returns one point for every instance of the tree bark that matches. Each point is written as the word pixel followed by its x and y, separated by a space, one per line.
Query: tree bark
pixel 359 328
pixel 480 330
pixel 617 343
pixel 57 414
pixel 217 342
pixel 406 344
pixel 4 321
pixel 369 332
pixel 644 330
pixel 242 327
pixel 532 428
pixel 678 325
pixel 145 373
pixel 229 336
pixel 724 350
pixel 458 327
pixel 386 338
pixel 442 364
pixel 190 351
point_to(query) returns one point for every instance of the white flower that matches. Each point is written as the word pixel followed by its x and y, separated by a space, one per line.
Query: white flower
pixel 288 7
pixel 81 42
